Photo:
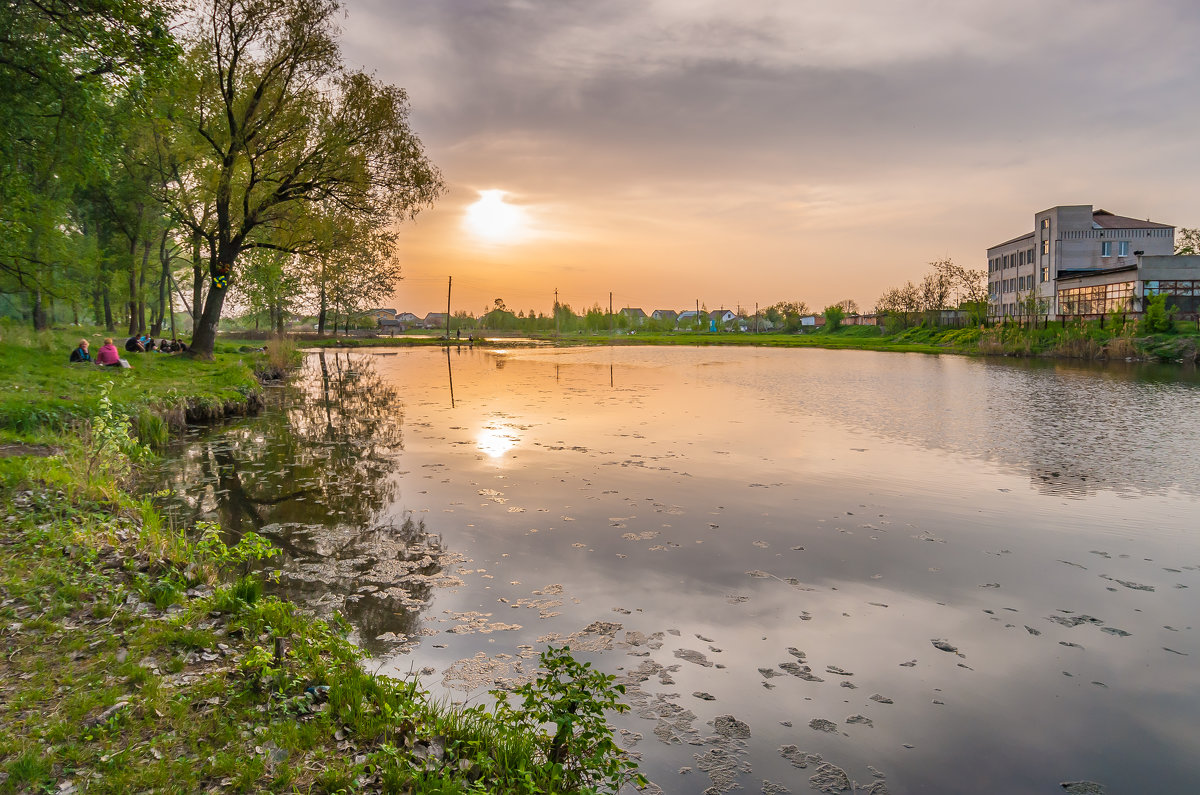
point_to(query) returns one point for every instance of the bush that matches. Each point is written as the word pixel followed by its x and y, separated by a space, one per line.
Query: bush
pixel 1158 318
pixel 574 698
pixel 833 317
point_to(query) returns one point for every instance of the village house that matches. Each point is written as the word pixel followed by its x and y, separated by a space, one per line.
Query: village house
pixel 635 316
pixel 379 314
pixel 669 315
pixel 721 317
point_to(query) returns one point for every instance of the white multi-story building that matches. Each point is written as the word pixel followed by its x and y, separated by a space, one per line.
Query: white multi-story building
pixel 1080 262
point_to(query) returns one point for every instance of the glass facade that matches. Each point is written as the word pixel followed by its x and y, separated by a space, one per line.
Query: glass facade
pixel 1183 294
pixel 1096 300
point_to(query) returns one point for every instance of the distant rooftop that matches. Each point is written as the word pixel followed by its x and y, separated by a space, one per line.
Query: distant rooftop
pixel 1103 219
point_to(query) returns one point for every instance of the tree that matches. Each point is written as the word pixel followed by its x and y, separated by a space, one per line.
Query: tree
pixel 849 306
pixel 278 124
pixel 62 63
pixel 833 317
pixel 1187 242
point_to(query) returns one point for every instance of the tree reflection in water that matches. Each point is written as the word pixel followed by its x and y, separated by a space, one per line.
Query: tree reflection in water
pixel 312 474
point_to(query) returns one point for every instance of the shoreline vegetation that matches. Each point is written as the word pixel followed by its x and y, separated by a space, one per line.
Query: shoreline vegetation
pixel 1088 340
pixel 145 657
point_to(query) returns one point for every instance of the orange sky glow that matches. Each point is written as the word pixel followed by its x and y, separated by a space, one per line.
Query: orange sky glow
pixel 763 151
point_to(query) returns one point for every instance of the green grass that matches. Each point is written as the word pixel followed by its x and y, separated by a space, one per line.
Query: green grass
pixel 40 390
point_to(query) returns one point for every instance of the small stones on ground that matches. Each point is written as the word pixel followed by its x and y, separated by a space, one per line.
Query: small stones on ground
pixel 704 696
pixel 882 699
pixel 822 725
pixel 861 720
pixel 1082 788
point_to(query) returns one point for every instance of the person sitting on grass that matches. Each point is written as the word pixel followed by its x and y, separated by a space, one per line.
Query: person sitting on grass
pixel 81 354
pixel 107 356
pixel 134 345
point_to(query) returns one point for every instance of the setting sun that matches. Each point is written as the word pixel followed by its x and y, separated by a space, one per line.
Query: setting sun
pixel 493 220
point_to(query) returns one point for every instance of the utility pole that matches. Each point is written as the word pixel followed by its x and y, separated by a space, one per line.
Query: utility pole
pixel 449 283
pixel 611 319
pixel 697 313
pixel 556 331
pixel 756 317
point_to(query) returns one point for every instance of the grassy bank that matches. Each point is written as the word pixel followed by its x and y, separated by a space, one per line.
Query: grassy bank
pixel 143 657
pixel 42 394
pixel 1075 340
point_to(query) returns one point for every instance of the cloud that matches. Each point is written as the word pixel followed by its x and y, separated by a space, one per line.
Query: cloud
pixel 766 126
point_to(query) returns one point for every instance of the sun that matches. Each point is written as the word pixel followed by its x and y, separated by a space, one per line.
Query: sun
pixel 493 220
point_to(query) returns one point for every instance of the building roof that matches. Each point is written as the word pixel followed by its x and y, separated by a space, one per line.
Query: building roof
pixel 665 313
pixel 1014 240
pixel 1079 273
pixel 633 312
pixel 1103 219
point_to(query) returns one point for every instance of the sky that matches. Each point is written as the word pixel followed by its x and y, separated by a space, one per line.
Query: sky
pixel 755 151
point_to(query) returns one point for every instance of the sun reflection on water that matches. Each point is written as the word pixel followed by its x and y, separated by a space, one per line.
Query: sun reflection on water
pixel 497 440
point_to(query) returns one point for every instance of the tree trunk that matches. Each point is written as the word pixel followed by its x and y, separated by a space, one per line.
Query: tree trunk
pixel 141 302
pixel 197 282
pixel 131 305
pixel 109 325
pixel 97 307
pixel 164 285
pixel 40 321
pixel 205 336
pixel 322 311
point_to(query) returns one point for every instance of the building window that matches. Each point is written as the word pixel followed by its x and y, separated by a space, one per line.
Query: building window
pixel 1097 300
pixel 1106 248
pixel 1123 248
pixel 1045 274
pixel 1045 223
pixel 1045 246
pixel 1183 295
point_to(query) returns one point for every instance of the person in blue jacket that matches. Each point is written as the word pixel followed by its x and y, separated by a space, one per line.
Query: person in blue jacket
pixel 81 354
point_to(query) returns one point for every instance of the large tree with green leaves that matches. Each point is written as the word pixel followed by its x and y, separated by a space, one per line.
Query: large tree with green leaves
pixel 62 64
pixel 274 123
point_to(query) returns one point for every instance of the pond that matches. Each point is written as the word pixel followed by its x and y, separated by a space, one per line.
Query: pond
pixel 925 574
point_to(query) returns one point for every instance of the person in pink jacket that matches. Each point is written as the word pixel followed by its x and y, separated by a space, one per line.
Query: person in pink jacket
pixel 107 356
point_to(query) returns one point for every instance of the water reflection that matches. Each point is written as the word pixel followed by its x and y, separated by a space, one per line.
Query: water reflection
pixel 314 474
pixel 784 536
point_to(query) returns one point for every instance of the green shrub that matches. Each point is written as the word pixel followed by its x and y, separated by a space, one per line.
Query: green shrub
pixel 573 698
pixel 833 317
pixel 1158 317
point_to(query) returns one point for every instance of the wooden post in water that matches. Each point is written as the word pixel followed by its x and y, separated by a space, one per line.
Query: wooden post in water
pixel 449 283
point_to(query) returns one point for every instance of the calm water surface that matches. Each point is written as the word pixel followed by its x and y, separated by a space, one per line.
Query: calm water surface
pixel 938 574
